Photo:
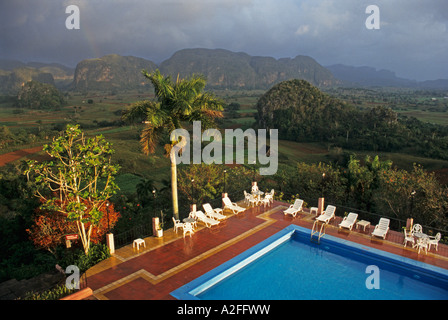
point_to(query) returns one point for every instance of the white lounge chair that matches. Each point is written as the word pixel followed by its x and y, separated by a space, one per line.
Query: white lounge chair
pixel 349 221
pixel 228 204
pixel 294 208
pixel 327 215
pixel 188 228
pixel 381 228
pixel 408 237
pixel 177 224
pixel 434 241
pixel 209 222
pixel 213 213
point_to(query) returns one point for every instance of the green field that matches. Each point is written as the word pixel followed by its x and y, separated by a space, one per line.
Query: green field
pixel 427 116
pixel 102 115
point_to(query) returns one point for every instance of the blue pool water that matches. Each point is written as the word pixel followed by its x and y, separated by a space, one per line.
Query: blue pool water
pixel 289 266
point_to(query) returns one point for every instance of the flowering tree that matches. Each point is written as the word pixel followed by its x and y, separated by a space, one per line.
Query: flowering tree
pixel 49 229
pixel 78 182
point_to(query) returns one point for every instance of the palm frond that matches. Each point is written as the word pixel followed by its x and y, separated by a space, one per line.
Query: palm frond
pixel 137 112
pixel 163 87
pixel 148 139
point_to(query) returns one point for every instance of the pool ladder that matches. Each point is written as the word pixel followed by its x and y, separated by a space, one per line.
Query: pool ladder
pixel 320 232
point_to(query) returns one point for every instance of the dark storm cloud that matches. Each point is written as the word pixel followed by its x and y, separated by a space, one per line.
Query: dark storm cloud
pixel 412 39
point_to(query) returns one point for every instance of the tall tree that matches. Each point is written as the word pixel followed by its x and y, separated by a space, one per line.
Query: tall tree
pixel 176 102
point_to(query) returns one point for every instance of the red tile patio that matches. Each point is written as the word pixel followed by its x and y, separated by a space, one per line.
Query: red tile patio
pixel 153 272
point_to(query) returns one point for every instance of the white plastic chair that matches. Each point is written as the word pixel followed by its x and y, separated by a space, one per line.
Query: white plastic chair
pixel 408 237
pixel 267 200
pixel 246 197
pixel 423 243
pixel 254 188
pixel 188 228
pixel 417 228
pixel 382 228
pixel 253 201
pixel 294 208
pixel 349 221
pixel 434 241
pixel 193 216
pixel 177 224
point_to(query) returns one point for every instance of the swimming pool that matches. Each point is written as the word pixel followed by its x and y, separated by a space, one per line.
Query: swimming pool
pixel 288 266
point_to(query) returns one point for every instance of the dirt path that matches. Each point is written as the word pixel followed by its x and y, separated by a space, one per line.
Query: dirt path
pixel 15 155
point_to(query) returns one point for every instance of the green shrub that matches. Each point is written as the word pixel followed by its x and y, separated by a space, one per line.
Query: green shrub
pixel 78 258
pixel 52 294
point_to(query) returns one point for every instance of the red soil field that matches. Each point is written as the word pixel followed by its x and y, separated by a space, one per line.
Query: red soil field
pixel 15 155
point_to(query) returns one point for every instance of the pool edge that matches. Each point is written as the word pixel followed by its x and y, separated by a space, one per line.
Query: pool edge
pixel 203 282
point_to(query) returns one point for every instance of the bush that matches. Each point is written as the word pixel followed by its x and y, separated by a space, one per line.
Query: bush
pixel 77 257
pixel 52 294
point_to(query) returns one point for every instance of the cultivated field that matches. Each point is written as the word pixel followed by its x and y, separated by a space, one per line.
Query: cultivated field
pixel 99 113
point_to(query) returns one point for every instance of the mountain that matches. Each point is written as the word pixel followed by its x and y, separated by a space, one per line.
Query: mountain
pixel 237 70
pixel 62 75
pixel 223 69
pixel 111 72
pixel 368 76
pixel 14 74
pixel 434 84
pixel 12 81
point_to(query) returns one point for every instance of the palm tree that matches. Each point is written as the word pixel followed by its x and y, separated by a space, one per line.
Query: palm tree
pixel 144 190
pixel 176 102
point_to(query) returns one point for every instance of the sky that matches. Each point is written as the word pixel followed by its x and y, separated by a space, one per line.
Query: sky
pixel 412 39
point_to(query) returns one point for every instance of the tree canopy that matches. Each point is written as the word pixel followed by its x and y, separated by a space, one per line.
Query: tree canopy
pixel 301 112
pixel 78 182
pixel 36 95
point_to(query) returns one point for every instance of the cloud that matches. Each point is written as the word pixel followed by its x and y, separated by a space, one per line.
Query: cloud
pixel 412 40
pixel 303 29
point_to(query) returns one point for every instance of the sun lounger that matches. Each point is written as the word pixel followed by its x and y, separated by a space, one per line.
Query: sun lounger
pixel 294 208
pixel 209 222
pixel 349 221
pixel 228 204
pixel 327 215
pixel 213 213
pixel 381 228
